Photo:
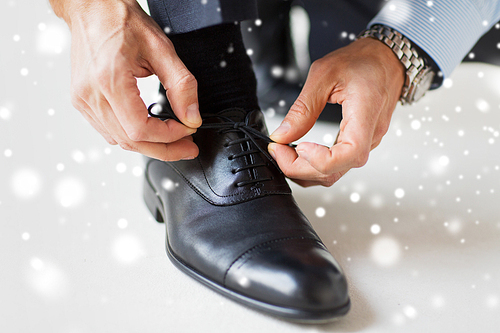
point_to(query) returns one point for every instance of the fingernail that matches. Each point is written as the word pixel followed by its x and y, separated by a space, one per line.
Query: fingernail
pixel 188 158
pixel 282 130
pixel 193 114
pixel 303 154
pixel 271 151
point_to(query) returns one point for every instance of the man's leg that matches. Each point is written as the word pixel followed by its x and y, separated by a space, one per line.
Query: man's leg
pixel 207 38
pixel 218 60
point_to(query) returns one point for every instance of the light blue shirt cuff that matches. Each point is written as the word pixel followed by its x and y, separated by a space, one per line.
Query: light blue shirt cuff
pixel 445 29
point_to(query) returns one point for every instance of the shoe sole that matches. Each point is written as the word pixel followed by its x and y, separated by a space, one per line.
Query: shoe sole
pixel 155 206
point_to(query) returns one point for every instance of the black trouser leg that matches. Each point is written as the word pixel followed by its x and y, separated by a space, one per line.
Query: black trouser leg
pixel 211 49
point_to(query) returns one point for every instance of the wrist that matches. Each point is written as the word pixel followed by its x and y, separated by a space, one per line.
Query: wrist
pixel 419 75
pixel 394 70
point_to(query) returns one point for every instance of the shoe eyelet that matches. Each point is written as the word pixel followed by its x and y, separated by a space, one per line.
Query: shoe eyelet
pixel 230 157
pixel 233 171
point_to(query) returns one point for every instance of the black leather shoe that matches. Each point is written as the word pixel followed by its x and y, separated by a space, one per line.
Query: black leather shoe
pixel 233 224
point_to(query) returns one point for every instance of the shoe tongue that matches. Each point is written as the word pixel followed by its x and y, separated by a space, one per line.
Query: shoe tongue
pixel 237 115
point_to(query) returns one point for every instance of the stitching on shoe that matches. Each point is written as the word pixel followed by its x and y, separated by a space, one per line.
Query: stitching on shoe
pixel 248 159
pixel 260 246
pixel 241 196
pixel 246 197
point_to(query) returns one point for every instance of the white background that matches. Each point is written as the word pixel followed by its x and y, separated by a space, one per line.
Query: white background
pixel 417 230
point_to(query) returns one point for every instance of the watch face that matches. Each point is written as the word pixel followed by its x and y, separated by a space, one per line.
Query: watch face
pixel 423 84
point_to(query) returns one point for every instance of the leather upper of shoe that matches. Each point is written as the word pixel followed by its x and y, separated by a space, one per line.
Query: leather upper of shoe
pixel 232 219
pixel 299 267
pixel 228 160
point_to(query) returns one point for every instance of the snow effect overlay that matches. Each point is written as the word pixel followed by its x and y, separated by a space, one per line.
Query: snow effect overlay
pixel 416 230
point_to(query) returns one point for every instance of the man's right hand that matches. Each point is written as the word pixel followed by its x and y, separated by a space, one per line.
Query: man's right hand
pixel 113 43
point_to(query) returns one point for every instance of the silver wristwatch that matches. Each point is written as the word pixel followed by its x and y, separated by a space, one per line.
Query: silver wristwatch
pixel 419 75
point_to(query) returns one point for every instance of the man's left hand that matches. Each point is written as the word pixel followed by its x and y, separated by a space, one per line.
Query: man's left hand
pixel 366 78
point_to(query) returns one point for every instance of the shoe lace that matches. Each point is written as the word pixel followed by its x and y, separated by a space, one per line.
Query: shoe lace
pixel 229 125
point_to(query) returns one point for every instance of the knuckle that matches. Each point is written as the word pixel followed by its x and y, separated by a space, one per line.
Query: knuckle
pixel 375 144
pixel 324 169
pixel 361 159
pixel 165 42
pixel 317 65
pixel 166 156
pixel 330 180
pixel 300 109
pixel 135 134
pixel 76 101
pixel 185 80
pixel 287 171
pixel 78 94
pixel 159 41
pixel 111 141
pixel 328 183
pixel 381 130
pixel 77 89
pixel 126 145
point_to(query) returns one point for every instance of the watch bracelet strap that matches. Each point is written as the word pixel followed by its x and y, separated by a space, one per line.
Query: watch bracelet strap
pixel 402 48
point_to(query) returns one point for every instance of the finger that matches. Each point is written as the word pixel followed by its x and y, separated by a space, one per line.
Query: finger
pixel 183 149
pixel 309 183
pixel 382 127
pixel 126 104
pixel 89 115
pixel 308 106
pixel 353 146
pixel 176 150
pixel 305 183
pixel 327 160
pixel 298 169
pixel 99 129
pixel 179 83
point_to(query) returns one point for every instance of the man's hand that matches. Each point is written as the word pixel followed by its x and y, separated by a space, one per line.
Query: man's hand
pixel 366 78
pixel 113 43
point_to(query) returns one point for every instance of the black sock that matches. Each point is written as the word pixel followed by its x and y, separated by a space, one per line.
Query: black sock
pixel 218 60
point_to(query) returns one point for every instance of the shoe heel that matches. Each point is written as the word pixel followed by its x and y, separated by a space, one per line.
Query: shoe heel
pixel 153 202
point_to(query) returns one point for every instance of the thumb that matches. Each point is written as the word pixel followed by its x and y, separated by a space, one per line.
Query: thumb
pixel 179 83
pixel 307 108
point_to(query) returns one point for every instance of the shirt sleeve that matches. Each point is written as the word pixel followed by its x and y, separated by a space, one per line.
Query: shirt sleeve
pixel 445 29
pixel 177 17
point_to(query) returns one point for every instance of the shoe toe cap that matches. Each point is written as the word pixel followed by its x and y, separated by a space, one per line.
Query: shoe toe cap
pixel 291 273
